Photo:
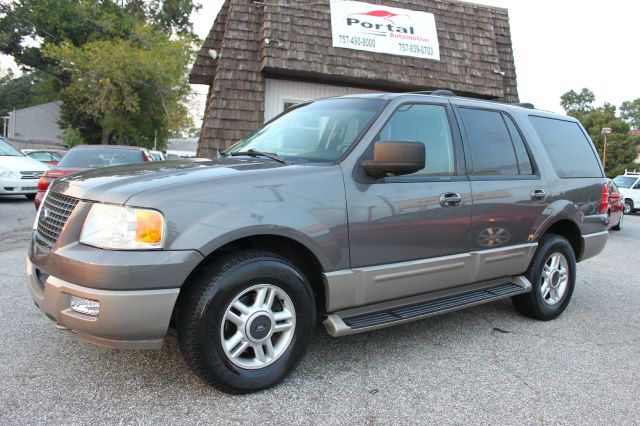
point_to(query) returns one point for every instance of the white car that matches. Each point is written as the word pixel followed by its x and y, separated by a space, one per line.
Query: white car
pixel 19 174
pixel 157 155
pixel 629 186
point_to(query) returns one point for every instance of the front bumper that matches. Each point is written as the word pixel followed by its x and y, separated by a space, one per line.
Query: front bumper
pixel 135 319
pixel 15 186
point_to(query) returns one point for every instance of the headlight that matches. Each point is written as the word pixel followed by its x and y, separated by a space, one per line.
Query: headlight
pixel 123 228
pixel 6 173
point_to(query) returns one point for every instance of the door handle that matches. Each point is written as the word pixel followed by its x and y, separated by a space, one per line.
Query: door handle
pixel 538 195
pixel 450 199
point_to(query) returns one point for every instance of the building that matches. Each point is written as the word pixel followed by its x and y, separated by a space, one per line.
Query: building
pixel 261 57
pixel 182 147
pixel 34 125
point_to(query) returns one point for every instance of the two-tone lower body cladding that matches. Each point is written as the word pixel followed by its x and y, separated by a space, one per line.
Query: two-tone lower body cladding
pixel 135 291
pixel 593 244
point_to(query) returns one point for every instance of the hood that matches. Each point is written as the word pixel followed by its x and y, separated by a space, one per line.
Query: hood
pixel 22 164
pixel 118 184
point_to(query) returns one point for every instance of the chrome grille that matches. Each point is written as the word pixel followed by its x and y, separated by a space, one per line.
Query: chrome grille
pixel 30 174
pixel 54 213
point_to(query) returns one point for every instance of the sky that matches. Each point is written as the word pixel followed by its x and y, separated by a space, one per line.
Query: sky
pixel 558 45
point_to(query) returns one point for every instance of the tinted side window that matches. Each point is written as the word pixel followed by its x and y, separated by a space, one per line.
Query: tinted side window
pixel 568 148
pixel 427 124
pixel 524 162
pixel 492 152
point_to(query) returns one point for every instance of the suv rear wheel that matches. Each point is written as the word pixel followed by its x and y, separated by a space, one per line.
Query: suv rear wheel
pixel 246 321
pixel 552 274
pixel 628 206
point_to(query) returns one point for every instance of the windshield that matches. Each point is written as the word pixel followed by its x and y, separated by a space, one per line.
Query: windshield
pixel 100 157
pixel 8 150
pixel 319 131
pixel 624 181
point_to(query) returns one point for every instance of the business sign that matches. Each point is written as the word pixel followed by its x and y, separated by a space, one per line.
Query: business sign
pixel 381 29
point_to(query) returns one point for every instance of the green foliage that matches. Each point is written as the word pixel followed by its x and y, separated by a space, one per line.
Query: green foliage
pixel 132 88
pixel 630 111
pixel 81 21
pixel 39 34
pixel 575 102
pixel 620 144
pixel 25 91
pixel 72 137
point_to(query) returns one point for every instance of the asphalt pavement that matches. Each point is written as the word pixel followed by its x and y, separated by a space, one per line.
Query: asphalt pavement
pixel 485 365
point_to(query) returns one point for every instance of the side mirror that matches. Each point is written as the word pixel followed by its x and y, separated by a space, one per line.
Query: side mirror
pixel 395 158
pixel 614 196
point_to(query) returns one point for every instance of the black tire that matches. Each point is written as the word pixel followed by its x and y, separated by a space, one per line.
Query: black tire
pixel 202 308
pixel 30 196
pixel 533 304
pixel 628 206
pixel 618 227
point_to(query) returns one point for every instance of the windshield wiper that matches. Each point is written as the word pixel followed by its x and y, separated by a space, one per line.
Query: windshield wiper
pixel 254 153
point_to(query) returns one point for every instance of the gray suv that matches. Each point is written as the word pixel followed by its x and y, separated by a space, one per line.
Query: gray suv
pixel 361 212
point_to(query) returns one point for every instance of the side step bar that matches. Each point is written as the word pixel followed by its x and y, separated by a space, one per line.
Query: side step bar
pixel 350 322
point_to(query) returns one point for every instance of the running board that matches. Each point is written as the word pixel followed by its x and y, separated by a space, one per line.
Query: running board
pixel 361 319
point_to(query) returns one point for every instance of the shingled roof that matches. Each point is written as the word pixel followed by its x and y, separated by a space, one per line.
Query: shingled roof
pixel 476 58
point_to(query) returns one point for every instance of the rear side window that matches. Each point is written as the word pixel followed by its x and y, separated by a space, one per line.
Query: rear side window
pixel 496 145
pixel 568 148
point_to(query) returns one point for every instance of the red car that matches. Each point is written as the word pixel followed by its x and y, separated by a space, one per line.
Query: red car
pixel 616 206
pixel 49 156
pixel 86 157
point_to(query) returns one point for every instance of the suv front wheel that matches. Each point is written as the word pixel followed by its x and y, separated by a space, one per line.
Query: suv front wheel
pixel 246 321
pixel 552 274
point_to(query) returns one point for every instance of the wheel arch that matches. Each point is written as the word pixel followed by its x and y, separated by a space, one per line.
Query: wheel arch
pixel 290 248
pixel 571 231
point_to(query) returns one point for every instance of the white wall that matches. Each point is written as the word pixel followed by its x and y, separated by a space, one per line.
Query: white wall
pixel 38 123
pixel 277 92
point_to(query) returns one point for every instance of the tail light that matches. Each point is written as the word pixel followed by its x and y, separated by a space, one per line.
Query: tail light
pixel 604 204
pixel 43 183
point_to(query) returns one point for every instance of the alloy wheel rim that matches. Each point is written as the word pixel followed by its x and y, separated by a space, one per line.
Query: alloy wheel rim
pixel 555 279
pixel 258 326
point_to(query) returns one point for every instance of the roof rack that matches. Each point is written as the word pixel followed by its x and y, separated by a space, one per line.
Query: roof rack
pixel 631 172
pixel 527 105
pixel 439 92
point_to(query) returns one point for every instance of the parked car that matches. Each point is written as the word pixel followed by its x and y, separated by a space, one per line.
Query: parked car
pixel 616 206
pixel 629 186
pixel 157 155
pixel 19 174
pixel 366 211
pixel 85 157
pixel 48 156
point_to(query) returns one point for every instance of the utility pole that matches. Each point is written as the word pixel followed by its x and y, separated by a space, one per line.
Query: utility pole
pixel 604 132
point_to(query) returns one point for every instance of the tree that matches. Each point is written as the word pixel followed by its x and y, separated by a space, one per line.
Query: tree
pixel 81 21
pixel 630 112
pixel 134 88
pixel 577 102
pixel 25 91
pixel 28 28
pixel 620 145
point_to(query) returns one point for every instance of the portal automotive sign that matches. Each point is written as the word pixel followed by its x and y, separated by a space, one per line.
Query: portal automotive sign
pixel 375 28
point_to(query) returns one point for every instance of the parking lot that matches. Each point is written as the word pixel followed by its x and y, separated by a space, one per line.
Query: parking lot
pixel 486 365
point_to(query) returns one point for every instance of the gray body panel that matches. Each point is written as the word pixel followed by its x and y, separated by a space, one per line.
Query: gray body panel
pixel 376 241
